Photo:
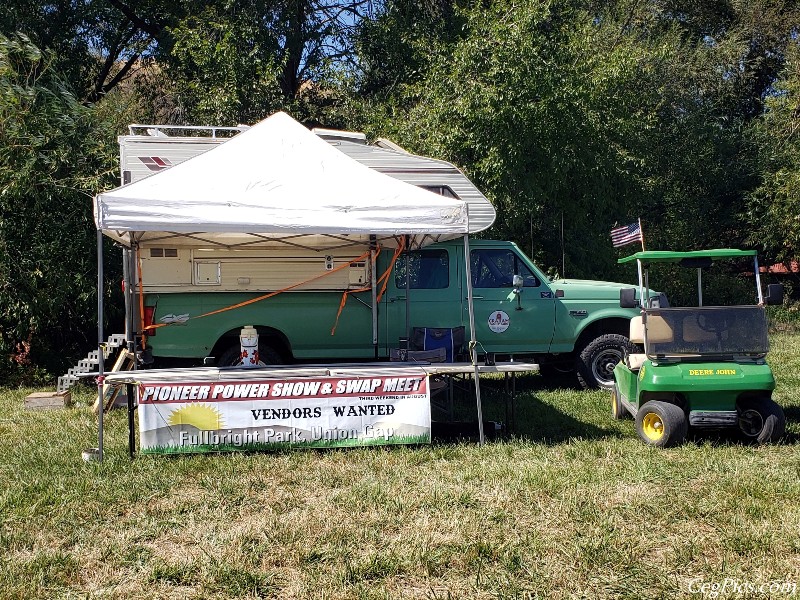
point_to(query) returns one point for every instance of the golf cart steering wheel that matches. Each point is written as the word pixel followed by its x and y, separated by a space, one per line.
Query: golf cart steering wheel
pixel 715 322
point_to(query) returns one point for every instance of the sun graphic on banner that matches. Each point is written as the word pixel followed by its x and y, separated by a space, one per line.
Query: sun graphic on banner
pixel 202 416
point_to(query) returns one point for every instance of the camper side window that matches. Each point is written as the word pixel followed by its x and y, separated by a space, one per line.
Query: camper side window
pixel 442 190
pixel 496 269
pixel 427 270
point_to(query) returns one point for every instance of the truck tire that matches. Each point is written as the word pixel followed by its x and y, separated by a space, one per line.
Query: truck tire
pixel 661 424
pixel 596 361
pixel 761 420
pixel 231 356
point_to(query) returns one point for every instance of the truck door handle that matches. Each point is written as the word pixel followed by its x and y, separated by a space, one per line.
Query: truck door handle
pixel 474 298
pixel 395 298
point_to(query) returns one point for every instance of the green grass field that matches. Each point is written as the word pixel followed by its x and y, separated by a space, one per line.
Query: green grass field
pixel 572 506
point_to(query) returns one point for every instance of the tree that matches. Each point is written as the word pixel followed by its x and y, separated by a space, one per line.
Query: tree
pixel 93 44
pixel 600 112
pixel 774 207
pixel 54 155
pixel 236 62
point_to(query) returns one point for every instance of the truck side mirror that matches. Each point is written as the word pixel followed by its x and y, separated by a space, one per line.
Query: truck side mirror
pixel 517 281
pixel 627 298
pixel 774 294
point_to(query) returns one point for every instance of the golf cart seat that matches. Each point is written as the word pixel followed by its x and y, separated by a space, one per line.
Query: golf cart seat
pixel 658 331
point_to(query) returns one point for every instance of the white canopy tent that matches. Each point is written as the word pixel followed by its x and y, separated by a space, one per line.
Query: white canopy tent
pixel 276 185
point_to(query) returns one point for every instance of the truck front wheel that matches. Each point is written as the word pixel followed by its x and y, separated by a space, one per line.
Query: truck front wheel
pixel 232 356
pixel 596 361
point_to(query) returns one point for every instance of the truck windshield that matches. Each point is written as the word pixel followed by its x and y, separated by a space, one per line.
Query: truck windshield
pixel 706 331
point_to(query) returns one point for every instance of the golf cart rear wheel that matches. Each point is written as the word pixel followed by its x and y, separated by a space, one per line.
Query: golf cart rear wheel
pixel 661 424
pixel 761 420
pixel 596 361
pixel 618 411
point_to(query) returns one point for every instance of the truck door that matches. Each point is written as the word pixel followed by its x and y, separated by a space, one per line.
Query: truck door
pixel 507 322
pixel 433 291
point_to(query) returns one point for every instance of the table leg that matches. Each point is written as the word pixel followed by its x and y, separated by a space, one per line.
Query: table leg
pixel 131 390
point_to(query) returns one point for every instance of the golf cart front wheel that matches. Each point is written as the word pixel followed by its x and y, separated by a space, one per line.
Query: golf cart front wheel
pixel 761 420
pixel 661 424
pixel 618 411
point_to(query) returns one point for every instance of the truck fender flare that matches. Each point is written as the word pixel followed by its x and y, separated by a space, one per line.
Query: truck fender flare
pixel 602 325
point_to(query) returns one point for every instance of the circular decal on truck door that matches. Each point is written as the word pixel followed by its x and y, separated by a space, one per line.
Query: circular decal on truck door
pixel 499 321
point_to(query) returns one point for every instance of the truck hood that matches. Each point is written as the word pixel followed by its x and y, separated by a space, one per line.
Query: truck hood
pixel 587 288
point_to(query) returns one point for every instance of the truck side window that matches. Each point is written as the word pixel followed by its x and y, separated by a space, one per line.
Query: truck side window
pixel 428 270
pixel 496 269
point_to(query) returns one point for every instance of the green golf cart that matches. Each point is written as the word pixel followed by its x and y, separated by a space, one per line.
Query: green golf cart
pixel 702 366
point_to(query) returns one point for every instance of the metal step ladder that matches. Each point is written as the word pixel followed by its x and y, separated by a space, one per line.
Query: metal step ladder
pixel 89 364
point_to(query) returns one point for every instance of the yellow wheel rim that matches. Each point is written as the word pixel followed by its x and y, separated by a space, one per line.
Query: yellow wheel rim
pixel 653 427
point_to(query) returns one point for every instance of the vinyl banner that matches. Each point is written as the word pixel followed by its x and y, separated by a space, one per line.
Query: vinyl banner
pixel 264 414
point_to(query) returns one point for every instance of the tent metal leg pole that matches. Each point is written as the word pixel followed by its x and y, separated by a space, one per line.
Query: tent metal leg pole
pixel 473 342
pixel 100 346
pixel 130 298
pixel 407 253
pixel 373 286
pixel 130 391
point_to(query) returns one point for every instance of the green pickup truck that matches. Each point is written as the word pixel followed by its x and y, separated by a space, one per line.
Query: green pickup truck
pixel 562 324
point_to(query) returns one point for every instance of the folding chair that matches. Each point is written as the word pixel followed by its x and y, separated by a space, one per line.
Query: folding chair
pixel 431 338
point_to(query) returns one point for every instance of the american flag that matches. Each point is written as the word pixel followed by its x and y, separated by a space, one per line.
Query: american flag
pixel 626 234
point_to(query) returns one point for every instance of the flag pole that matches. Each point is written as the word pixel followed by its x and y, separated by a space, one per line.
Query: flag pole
pixel 641 233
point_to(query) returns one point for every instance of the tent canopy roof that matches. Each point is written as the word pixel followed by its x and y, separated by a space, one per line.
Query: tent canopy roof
pixel 276 185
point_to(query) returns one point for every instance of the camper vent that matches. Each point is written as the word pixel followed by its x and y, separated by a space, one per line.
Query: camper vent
pixel 163 253
pixel 358 273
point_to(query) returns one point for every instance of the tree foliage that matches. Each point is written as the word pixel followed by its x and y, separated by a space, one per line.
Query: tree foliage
pixel 237 62
pixel 597 113
pixel 92 44
pixel 774 207
pixel 571 115
pixel 54 154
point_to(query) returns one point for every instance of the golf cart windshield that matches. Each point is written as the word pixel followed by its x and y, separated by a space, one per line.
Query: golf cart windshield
pixel 720 331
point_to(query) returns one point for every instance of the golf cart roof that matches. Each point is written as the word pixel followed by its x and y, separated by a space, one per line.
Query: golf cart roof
pixel 666 256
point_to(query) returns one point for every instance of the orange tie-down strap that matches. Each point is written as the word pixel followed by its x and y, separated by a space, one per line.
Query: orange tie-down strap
pixel 382 281
pixel 363 256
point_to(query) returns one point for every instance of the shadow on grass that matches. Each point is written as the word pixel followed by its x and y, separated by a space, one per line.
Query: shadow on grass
pixel 731 437
pixel 540 422
pixel 528 416
pixel 792 414
pixel 539 415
